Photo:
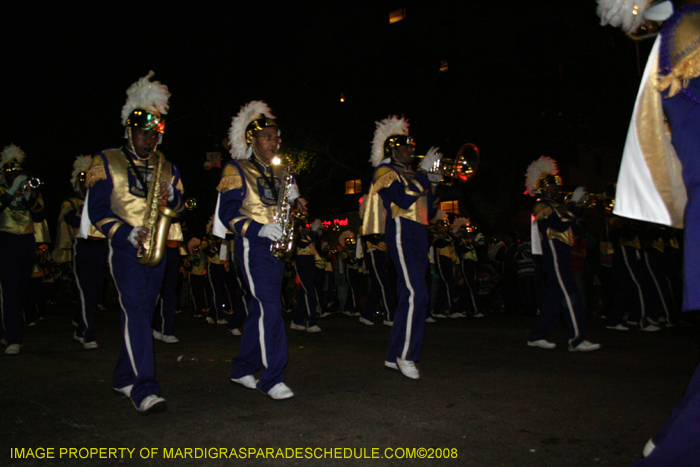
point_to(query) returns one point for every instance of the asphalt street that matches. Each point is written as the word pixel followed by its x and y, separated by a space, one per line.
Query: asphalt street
pixel 484 397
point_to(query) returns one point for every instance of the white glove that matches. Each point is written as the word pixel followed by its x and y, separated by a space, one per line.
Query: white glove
pixel 134 236
pixel 430 158
pixel 171 190
pixel 272 231
pixel 434 178
pixel 292 193
pixel 16 184
pixel 578 194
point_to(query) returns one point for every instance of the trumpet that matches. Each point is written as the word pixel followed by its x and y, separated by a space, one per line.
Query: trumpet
pixel 460 169
pixel 605 199
pixel 31 184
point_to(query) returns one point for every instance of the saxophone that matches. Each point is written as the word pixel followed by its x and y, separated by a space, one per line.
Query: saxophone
pixel 157 218
pixel 287 218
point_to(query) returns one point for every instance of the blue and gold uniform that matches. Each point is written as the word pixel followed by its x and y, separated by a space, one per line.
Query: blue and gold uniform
pixel 468 259
pixel 89 259
pixel 247 203
pixel 445 256
pixel 17 250
pixel 381 291
pixel 556 223
pixel 216 272
pixel 116 204
pixel 631 277
pixel 306 271
pixel 408 203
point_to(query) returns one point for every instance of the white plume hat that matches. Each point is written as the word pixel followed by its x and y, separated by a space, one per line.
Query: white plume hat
pixel 629 15
pixel 391 126
pixel 239 134
pixel 151 96
pixel 537 171
pixel 11 154
pixel 80 165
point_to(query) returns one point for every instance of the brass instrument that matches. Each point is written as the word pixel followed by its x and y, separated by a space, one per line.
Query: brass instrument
pixel 287 217
pixel 157 219
pixel 30 184
pixel 460 169
pixel 191 204
pixel 605 199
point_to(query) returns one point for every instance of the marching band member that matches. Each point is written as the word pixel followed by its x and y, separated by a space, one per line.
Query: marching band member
pixel 555 223
pixel 305 268
pixel 658 179
pixel 346 252
pixel 216 272
pixel 248 196
pixel 407 200
pixel 89 255
pixel 164 317
pixel 20 207
pixel 444 246
pixel 381 291
pixel 466 253
pixel 119 181
pixel 196 267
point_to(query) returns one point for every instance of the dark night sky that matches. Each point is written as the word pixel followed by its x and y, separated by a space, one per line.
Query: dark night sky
pixel 524 79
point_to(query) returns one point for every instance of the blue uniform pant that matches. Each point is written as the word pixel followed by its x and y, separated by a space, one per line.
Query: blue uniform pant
pixel 217 282
pixel 561 296
pixel 89 266
pixel 468 292
pixel 198 288
pixel 164 319
pixel 445 299
pixel 305 267
pixel 631 282
pixel 355 284
pixel 379 290
pixel 138 287
pixel 407 243
pixel 661 292
pixel 239 297
pixel 264 341
pixel 678 441
pixel 17 258
pixel 319 288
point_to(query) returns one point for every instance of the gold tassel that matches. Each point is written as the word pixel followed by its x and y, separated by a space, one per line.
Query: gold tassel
pixel 681 74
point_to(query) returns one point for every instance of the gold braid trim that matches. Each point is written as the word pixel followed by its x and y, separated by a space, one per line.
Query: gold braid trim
pixel 684 55
pixel 681 74
pixel 95 174
pixel 230 182
pixel 385 180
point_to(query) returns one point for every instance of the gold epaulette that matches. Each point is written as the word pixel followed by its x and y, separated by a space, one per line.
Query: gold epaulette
pixel 383 177
pixel 684 53
pixel 542 211
pixel 230 179
pixel 96 173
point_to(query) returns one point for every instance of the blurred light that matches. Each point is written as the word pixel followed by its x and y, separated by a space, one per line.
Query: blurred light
pixel 397 15
pixel 276 160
